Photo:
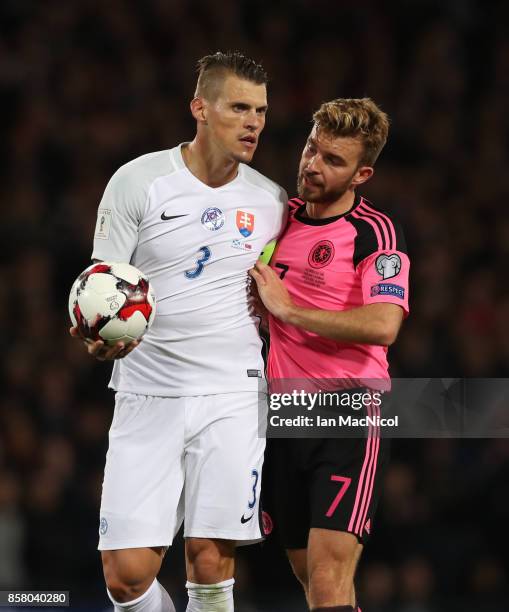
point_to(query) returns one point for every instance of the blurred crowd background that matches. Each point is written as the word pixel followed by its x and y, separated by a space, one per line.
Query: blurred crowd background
pixel 86 86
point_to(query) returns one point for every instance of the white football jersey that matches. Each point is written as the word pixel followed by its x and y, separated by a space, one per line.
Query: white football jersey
pixel 196 244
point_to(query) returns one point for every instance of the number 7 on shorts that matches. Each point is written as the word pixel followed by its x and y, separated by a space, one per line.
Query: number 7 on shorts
pixel 345 483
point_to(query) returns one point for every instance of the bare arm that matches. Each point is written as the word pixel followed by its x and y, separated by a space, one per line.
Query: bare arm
pixel 371 324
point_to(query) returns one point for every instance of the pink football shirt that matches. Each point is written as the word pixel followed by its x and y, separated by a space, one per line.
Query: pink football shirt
pixel 338 263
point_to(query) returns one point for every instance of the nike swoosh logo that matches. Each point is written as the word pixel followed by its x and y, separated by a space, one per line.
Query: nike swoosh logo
pixel 168 218
pixel 245 520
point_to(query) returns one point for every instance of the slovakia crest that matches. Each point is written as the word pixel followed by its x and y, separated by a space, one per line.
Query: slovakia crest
pixel 213 219
pixel 245 223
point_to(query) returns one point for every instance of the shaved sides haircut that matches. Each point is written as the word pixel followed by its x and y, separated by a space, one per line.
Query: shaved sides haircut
pixel 213 69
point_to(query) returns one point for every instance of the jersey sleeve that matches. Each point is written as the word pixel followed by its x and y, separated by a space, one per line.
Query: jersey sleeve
pixel 118 217
pixel 385 278
pixel 281 214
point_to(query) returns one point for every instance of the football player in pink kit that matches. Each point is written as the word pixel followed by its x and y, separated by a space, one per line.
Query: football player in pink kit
pixel 337 293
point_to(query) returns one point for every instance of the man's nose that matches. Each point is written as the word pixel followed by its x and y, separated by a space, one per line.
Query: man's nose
pixel 312 164
pixel 253 121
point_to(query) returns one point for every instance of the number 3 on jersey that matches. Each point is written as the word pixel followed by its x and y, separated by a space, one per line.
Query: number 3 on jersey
pixel 204 256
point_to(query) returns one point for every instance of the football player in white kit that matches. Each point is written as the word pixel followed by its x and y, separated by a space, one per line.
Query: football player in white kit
pixel 183 444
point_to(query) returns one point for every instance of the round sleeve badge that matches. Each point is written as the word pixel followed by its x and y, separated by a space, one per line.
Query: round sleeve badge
pixel 103 526
pixel 388 265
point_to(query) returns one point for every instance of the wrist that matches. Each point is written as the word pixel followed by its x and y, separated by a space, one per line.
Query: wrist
pixel 291 315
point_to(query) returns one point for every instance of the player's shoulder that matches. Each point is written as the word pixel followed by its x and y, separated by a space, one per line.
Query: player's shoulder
pixel 145 168
pixel 259 181
pixel 366 207
pixel 294 204
pixel 376 229
pixel 129 187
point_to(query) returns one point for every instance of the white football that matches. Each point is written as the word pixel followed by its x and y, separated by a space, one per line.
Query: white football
pixel 112 302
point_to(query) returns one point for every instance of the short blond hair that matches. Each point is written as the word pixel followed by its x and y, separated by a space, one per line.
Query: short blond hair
pixel 355 118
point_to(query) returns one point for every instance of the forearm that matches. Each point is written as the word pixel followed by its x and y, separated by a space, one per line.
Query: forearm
pixel 362 325
pixel 369 324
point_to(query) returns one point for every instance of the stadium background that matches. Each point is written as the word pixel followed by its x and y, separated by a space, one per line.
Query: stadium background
pixel 87 86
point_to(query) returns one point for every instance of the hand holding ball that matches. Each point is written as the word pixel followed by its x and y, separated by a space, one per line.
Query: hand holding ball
pixel 113 302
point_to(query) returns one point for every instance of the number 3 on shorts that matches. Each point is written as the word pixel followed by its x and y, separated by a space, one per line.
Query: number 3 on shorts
pixel 204 255
pixel 252 503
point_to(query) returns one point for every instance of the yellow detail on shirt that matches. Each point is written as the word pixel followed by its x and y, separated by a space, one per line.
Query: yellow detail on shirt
pixel 267 252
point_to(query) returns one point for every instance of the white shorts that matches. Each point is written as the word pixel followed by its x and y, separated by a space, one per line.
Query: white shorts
pixel 173 459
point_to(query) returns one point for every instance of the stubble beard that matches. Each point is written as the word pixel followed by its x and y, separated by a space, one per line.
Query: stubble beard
pixel 323 196
pixel 320 196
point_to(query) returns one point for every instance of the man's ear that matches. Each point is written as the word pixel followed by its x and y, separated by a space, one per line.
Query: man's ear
pixel 363 174
pixel 199 109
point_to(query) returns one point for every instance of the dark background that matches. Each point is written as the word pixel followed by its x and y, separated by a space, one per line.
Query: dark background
pixel 86 87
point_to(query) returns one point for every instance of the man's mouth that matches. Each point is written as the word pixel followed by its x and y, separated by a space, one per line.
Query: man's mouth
pixel 309 182
pixel 249 140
